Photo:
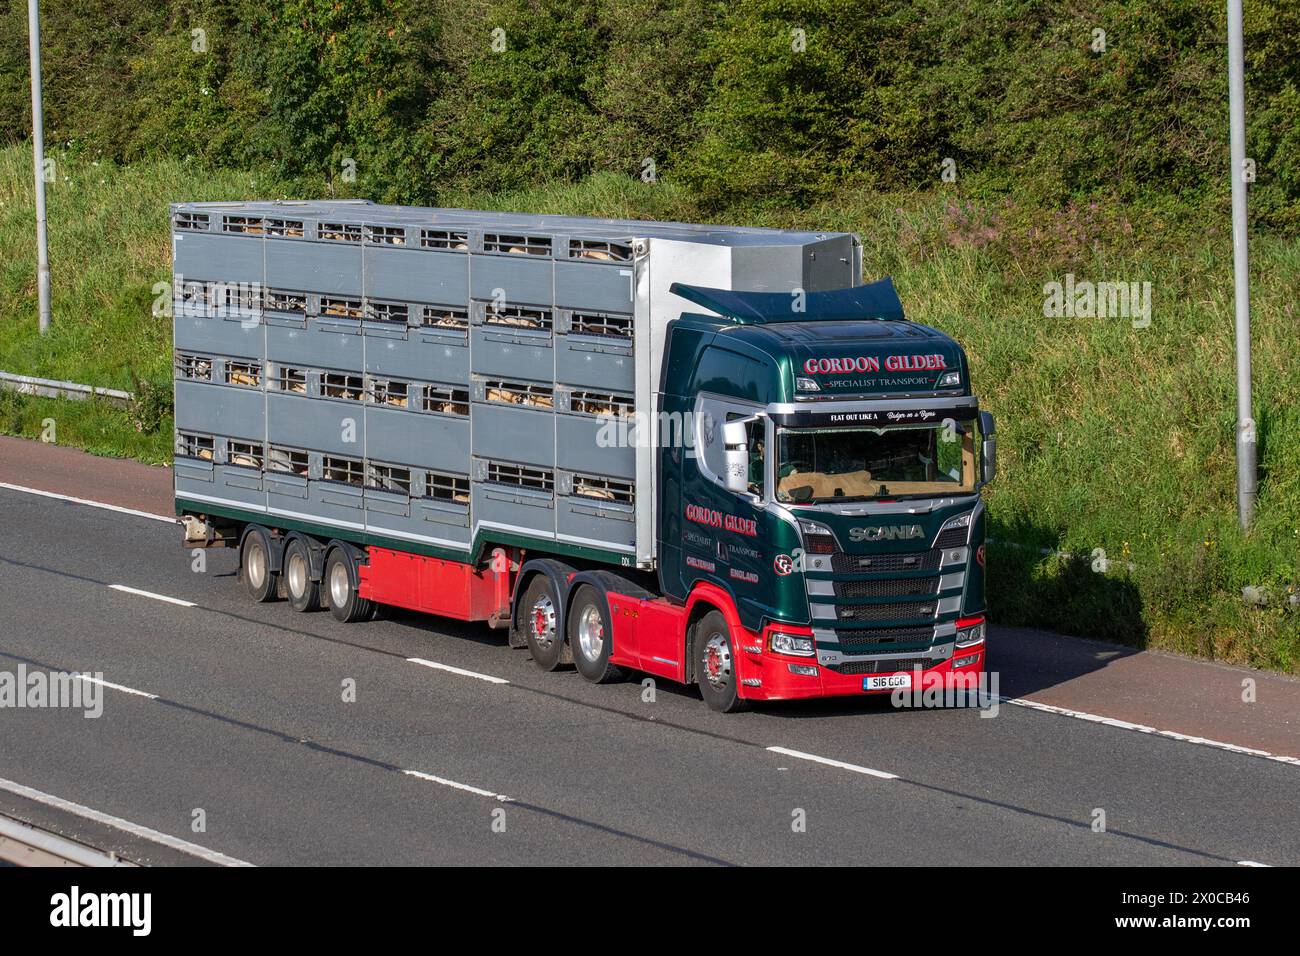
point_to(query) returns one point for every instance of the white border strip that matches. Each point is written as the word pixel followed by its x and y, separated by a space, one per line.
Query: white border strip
pixel 150 594
pixel 85 501
pixel 117 823
pixel 1154 731
pixel 456 670
pixel 443 781
pixel 839 764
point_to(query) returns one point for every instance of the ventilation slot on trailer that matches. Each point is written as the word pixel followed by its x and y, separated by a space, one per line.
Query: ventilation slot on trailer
pixel 395 312
pixel 284 228
pixel 291 380
pixel 342 385
pixel 603 404
pixel 195 367
pixel 345 471
pixel 517 393
pixel 444 239
pixel 247 225
pixel 248 374
pixel 445 317
pixel 288 460
pixel 600 250
pixel 517 245
pixel 339 232
pixel 192 221
pixel 597 323
pixel 603 489
pixel 446 400
pixel 442 487
pixel 387 392
pixel 389 478
pixel 244 454
pixel 386 235
pixel 190 445
pixel 519 317
pixel 520 476
pixel 332 307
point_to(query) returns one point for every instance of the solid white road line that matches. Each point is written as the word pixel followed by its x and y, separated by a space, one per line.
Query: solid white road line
pixel 443 781
pixel 840 764
pixel 104 683
pixel 86 501
pixel 1143 729
pixel 456 670
pixel 1267 866
pixel 126 826
pixel 149 594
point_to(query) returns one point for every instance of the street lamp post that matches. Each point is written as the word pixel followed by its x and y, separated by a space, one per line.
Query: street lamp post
pixel 38 150
pixel 1246 443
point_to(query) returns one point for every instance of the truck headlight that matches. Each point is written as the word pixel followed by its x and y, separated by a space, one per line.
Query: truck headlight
pixel 817 538
pixel 970 632
pixel 961 521
pixel 796 645
pixel 949 380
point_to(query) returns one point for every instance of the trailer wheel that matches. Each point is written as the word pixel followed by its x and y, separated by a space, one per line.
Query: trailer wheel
pixel 715 664
pixel 539 608
pixel 591 636
pixel 302 591
pixel 255 566
pixel 340 588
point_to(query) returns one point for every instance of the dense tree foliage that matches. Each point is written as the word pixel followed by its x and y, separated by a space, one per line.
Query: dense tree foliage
pixel 743 102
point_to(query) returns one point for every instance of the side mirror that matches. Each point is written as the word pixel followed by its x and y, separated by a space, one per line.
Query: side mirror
pixel 988 448
pixel 735 461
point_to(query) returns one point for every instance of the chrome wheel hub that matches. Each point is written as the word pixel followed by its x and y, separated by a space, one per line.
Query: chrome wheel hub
pixel 717 661
pixel 591 633
pixel 256 564
pixel 542 622
pixel 340 586
pixel 297 575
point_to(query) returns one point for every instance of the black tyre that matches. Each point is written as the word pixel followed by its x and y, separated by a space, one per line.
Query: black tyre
pixel 539 612
pixel 255 566
pixel 303 593
pixel 591 636
pixel 715 664
pixel 339 588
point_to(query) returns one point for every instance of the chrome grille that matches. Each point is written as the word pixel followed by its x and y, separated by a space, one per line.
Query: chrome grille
pixel 896 587
pixel 854 641
pixel 842 563
pixel 900 611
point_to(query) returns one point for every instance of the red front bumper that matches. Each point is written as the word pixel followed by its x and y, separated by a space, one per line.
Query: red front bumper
pixel 768 676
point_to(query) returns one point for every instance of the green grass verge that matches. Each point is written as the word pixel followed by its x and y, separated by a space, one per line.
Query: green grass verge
pixel 1111 437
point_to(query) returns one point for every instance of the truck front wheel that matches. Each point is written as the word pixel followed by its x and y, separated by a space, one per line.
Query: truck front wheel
pixel 715 664
pixel 591 637
pixel 539 608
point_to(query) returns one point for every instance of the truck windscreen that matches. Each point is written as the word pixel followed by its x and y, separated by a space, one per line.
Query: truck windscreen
pixel 842 464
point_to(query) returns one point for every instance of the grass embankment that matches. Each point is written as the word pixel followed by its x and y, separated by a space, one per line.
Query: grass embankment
pixel 1110 437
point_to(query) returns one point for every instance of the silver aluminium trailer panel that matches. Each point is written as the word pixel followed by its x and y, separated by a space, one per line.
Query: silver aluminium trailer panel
pixel 433 379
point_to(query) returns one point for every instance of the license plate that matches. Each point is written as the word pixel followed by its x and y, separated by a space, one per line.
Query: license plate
pixel 887 681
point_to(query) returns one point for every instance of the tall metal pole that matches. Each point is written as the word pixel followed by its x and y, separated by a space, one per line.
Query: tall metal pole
pixel 1246 447
pixel 38 150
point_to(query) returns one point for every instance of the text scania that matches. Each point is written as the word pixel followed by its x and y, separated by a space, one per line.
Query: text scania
pixel 871 363
pixel 716 519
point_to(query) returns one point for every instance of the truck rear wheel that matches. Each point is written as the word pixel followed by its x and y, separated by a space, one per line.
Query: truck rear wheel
pixel 340 588
pixel 539 608
pixel 715 664
pixel 302 591
pixel 255 566
pixel 591 636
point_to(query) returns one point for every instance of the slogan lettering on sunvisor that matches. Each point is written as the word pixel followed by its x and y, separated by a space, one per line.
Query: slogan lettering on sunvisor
pixel 827 418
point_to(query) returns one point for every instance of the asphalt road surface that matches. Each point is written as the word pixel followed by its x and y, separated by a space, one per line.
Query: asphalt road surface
pixel 228 735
